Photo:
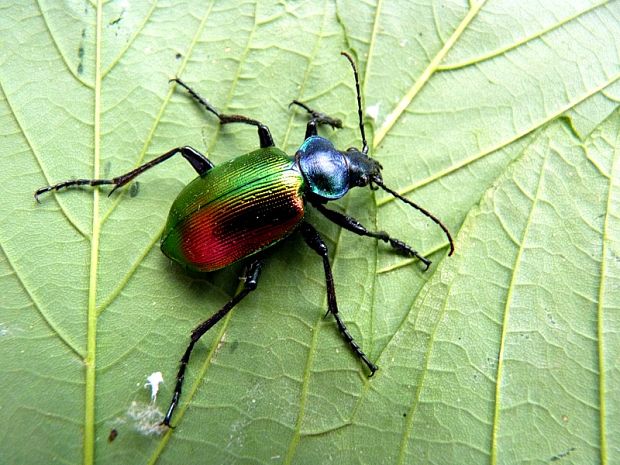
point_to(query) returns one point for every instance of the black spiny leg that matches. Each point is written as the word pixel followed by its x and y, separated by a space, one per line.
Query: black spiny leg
pixel 264 135
pixel 316 118
pixel 355 226
pixel 198 161
pixel 250 280
pixel 313 239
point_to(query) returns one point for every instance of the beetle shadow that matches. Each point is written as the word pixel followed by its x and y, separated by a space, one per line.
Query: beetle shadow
pixel 204 286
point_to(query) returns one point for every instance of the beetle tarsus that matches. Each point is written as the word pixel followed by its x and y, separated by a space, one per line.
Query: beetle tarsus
pixel 70 183
pixel 317 118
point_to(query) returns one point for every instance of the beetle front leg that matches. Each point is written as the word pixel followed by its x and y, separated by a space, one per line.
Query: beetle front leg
pixel 198 161
pixel 351 224
pixel 264 135
pixel 313 239
pixel 250 280
pixel 316 119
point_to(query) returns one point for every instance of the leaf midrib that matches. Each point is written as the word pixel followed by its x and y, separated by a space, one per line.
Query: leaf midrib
pixel 91 332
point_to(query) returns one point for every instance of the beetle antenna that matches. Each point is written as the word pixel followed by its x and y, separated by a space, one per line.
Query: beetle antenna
pixel 359 101
pixel 379 183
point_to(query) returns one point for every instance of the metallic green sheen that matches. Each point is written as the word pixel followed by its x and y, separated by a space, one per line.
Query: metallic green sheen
pixel 235 210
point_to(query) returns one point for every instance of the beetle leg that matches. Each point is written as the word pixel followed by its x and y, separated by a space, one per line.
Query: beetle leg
pixel 313 239
pixel 355 226
pixel 250 279
pixel 316 119
pixel 198 161
pixel 264 135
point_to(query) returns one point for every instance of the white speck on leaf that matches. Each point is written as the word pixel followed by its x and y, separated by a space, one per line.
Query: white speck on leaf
pixel 373 111
pixel 153 381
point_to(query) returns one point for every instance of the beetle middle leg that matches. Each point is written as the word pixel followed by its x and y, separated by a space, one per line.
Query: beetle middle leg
pixel 313 239
pixel 198 161
pixel 355 226
pixel 264 135
pixel 316 119
pixel 250 280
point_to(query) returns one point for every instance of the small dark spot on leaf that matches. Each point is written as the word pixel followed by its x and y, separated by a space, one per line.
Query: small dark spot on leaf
pixel 112 435
pixel 561 455
pixel 178 56
pixel 234 346
pixel 134 189
pixel 116 21
pixel 405 415
pixel 80 66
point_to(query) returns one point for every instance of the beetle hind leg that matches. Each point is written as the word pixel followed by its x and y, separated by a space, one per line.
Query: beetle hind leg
pixel 250 280
pixel 316 118
pixel 313 239
pixel 264 135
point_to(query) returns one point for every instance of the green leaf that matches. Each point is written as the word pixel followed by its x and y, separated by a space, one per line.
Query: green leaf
pixel 499 117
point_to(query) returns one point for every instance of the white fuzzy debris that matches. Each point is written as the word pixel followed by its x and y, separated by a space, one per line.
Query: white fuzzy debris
pixel 373 111
pixel 153 382
pixel 146 418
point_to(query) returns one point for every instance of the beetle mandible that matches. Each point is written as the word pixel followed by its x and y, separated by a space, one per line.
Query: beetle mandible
pixel 236 210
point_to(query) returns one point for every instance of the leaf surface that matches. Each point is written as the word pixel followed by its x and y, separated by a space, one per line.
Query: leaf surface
pixel 500 117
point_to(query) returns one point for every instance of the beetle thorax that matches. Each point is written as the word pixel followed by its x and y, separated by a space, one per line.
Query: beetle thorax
pixel 329 172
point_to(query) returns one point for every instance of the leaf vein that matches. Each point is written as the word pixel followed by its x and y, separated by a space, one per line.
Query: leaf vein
pixel 65 339
pixel 403 103
pixel 505 317
pixel 130 42
pixel 519 43
pixel 58 49
pixel 500 145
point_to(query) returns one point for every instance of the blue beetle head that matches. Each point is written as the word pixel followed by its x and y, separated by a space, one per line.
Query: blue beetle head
pixel 329 172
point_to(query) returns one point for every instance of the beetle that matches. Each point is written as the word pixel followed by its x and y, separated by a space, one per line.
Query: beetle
pixel 236 210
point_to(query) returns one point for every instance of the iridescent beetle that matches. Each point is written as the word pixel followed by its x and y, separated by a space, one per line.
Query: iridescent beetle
pixel 236 210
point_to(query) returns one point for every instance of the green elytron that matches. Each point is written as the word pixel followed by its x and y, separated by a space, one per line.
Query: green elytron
pixel 235 210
